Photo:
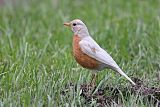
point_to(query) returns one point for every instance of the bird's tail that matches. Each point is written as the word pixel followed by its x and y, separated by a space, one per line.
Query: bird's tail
pixel 122 73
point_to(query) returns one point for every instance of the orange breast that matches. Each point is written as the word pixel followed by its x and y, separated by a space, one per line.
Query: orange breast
pixel 83 59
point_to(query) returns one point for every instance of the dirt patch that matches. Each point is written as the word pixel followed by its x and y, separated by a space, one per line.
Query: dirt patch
pixel 146 91
pixel 102 99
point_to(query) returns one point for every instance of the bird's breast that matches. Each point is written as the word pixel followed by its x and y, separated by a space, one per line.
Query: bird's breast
pixel 83 59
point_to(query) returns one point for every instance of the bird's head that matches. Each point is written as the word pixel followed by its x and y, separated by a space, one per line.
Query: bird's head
pixel 78 28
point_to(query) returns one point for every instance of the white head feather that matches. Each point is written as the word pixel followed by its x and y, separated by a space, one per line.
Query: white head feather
pixel 79 28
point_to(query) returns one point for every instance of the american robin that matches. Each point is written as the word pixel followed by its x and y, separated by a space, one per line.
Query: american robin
pixel 88 53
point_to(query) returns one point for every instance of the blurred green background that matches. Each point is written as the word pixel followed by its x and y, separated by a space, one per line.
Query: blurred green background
pixel 36 59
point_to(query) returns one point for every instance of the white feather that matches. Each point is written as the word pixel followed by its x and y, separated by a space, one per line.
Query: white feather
pixel 87 44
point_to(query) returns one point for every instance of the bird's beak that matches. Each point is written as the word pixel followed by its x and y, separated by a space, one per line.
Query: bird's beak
pixel 67 24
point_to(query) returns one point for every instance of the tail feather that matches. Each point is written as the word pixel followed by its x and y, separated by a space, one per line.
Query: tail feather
pixel 122 73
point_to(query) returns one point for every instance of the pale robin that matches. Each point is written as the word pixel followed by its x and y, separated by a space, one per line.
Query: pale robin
pixel 88 53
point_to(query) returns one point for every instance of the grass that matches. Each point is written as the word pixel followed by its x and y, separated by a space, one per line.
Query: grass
pixel 36 59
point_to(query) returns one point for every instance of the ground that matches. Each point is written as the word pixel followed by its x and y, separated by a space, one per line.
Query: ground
pixel 36 63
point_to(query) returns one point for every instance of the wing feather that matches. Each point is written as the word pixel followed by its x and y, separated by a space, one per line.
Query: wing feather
pixel 88 44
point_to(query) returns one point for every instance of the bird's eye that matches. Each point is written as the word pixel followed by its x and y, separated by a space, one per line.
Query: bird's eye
pixel 74 24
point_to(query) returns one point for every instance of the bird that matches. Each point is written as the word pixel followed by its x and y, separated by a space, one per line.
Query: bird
pixel 88 53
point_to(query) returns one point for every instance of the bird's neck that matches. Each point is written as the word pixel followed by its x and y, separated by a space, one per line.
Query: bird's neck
pixel 82 33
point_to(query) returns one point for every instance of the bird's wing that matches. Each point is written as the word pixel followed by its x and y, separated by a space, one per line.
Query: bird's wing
pixel 92 49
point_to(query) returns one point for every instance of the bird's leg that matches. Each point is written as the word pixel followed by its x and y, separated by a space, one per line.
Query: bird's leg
pixel 93 81
pixel 90 87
